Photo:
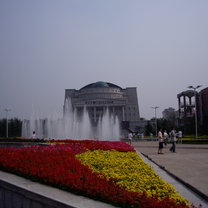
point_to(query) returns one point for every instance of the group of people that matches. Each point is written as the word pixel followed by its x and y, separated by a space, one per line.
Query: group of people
pixel 163 139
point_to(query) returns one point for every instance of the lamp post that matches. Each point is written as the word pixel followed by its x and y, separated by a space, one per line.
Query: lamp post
pixel 155 107
pixel 194 88
pixel 7 111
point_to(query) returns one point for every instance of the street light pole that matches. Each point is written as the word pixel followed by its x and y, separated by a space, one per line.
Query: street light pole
pixel 7 111
pixel 155 119
pixel 194 88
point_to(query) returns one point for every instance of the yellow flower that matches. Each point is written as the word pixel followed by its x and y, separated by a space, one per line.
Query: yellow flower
pixel 129 171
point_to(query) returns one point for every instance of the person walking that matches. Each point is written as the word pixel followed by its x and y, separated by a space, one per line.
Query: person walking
pixel 130 135
pixel 180 137
pixel 165 136
pixel 160 139
pixel 173 140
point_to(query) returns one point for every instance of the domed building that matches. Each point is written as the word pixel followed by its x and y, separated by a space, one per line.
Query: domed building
pixel 99 96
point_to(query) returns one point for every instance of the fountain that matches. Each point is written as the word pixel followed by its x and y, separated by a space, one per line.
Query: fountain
pixel 108 126
pixel 72 125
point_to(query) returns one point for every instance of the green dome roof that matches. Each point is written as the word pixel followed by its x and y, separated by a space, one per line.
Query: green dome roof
pixel 100 84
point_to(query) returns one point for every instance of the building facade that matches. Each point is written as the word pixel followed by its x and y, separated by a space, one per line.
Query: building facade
pixel 99 96
pixel 188 106
pixel 203 109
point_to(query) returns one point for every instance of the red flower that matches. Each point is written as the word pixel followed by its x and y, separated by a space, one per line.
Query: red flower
pixel 56 165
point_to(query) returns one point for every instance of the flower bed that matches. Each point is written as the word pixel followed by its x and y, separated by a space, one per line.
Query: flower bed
pixel 129 171
pixel 106 171
pixel 94 145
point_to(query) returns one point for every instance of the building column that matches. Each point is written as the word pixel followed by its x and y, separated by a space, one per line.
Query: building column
pixel 179 106
pixel 190 103
pixel 94 114
pixel 184 104
pixel 123 114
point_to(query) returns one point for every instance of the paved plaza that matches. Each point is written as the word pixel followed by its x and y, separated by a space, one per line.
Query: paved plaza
pixel 189 164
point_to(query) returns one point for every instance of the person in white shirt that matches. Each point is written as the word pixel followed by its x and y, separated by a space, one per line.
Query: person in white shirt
pixel 161 141
pixel 165 137
pixel 180 137
pixel 34 135
pixel 173 140
pixel 130 135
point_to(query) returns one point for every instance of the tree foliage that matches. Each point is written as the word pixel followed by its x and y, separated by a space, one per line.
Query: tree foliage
pixel 14 127
pixel 149 128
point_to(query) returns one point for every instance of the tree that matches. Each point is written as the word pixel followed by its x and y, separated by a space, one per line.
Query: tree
pixel 189 125
pixel 14 127
pixel 165 124
pixel 3 128
pixel 148 128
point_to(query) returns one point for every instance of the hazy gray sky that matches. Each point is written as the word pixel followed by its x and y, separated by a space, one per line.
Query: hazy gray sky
pixel 47 46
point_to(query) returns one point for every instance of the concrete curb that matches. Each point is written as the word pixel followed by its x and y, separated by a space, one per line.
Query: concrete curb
pixel 12 195
pixel 28 194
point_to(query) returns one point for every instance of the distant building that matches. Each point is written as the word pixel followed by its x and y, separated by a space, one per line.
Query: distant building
pixel 203 109
pixel 99 96
pixel 169 113
pixel 186 104
pixel 186 107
